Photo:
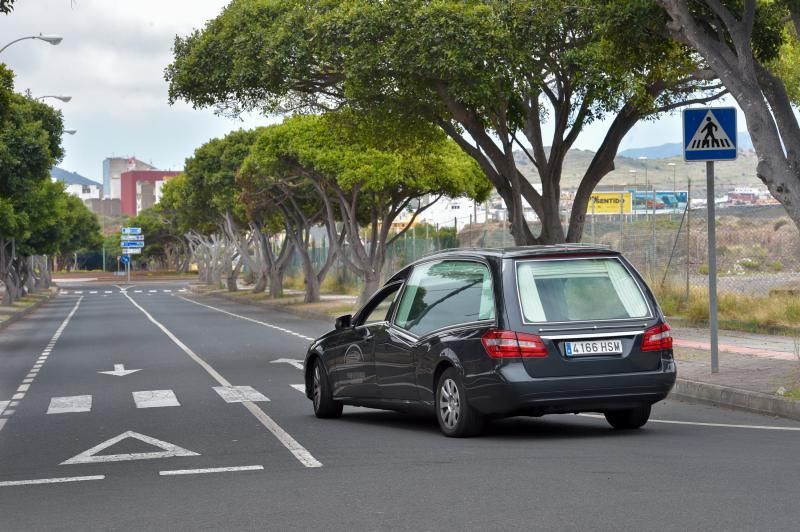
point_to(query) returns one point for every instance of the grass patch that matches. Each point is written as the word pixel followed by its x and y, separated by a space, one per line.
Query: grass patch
pixel 777 313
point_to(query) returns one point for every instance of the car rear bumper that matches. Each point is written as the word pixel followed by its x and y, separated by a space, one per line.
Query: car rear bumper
pixel 511 391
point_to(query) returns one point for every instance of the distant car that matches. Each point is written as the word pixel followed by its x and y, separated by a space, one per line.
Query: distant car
pixel 475 334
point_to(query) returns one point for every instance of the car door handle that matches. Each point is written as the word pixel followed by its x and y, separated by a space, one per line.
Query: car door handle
pixel 368 336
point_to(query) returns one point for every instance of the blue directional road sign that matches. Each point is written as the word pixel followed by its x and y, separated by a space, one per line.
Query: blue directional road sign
pixel 132 244
pixel 131 230
pixel 125 259
pixel 709 134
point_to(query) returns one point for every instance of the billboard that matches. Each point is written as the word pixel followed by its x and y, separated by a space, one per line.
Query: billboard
pixel 609 203
pixel 664 200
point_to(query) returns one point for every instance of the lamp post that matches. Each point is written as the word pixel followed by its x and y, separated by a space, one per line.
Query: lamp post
pixel 61 97
pixel 52 39
pixel 633 173
pixel 674 183
pixel 644 159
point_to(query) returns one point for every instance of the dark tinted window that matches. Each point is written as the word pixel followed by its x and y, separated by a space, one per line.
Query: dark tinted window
pixel 439 294
pixel 381 308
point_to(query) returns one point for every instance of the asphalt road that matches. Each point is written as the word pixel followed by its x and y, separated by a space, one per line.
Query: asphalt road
pixel 118 459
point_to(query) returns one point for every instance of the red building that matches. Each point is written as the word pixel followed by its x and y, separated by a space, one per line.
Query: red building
pixel 129 180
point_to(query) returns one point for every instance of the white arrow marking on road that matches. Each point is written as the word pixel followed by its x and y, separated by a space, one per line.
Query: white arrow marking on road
pixel 293 361
pixel 169 450
pixel 119 371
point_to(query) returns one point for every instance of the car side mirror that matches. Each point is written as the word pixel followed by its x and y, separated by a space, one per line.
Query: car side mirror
pixel 343 322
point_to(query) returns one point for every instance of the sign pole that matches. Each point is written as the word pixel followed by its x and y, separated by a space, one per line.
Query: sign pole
pixel 128 266
pixel 712 267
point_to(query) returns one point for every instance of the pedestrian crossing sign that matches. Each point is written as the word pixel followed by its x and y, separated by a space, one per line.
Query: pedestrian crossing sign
pixel 709 134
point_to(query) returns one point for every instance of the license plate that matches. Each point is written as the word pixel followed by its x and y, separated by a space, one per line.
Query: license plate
pixel 594 347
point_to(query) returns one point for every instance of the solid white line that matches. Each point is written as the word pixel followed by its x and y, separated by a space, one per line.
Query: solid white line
pixel 265 324
pixel 50 480
pixel 210 470
pixel 155 399
pixel 300 452
pixel 299 387
pixel 71 404
pixel 703 424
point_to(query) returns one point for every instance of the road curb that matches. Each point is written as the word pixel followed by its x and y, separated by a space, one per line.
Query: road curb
pixel 24 312
pixel 286 309
pixel 716 395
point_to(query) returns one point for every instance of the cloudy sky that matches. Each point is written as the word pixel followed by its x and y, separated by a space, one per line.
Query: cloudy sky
pixel 112 61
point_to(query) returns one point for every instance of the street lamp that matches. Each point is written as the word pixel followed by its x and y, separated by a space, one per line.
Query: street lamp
pixel 674 183
pixel 61 97
pixel 52 39
pixel 644 158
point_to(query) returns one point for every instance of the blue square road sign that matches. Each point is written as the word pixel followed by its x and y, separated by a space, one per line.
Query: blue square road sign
pixel 709 134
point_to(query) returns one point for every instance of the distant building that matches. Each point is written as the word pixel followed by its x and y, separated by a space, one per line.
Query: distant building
pixel 138 189
pixel 77 185
pixel 113 167
pixel 104 207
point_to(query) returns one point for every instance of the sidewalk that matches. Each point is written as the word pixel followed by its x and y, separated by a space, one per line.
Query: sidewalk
pixel 757 372
pixel 23 307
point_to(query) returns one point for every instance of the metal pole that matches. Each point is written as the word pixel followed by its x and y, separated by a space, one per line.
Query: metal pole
pixel 712 267
pixel 128 266
pixel 688 236
pixel 621 218
pixel 653 256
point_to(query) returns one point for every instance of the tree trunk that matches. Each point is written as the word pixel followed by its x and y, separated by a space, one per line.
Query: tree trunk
pixel 276 283
pixel 372 282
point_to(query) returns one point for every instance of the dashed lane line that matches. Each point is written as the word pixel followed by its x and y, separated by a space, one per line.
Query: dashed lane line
pixel 265 324
pixel 704 424
pixel 210 470
pixel 299 452
pixel 50 480
pixel 28 380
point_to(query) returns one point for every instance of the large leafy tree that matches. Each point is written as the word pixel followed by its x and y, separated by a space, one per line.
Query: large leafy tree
pixel 753 47
pixel 354 170
pixel 489 72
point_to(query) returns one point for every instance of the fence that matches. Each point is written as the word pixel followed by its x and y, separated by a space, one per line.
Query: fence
pixel 758 248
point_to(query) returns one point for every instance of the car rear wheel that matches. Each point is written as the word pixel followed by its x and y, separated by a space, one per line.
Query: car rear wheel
pixel 632 418
pixel 456 418
pixel 324 404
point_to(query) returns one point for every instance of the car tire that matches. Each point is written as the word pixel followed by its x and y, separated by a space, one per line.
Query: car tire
pixel 325 407
pixel 456 417
pixel 632 418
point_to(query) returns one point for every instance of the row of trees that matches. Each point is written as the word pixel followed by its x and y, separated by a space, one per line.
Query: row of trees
pixel 253 197
pixel 489 73
pixel 39 221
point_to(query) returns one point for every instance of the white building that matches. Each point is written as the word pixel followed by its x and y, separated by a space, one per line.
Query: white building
pixel 77 185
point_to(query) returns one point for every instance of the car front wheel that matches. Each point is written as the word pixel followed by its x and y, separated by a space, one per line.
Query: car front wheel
pixel 632 418
pixel 324 404
pixel 456 417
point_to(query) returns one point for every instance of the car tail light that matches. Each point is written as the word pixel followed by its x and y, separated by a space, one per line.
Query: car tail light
pixel 657 338
pixel 510 344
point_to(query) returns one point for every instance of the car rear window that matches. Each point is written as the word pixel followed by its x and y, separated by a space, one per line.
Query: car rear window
pixel 578 290
pixel 444 293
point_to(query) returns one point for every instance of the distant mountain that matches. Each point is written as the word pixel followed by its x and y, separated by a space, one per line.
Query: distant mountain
pixel 675 149
pixel 71 178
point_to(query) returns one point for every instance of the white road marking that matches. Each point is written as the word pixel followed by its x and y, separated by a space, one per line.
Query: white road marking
pixel 13 403
pixel 153 291
pixel 24 387
pixel 155 399
pixel 703 424
pixel 299 452
pixel 33 372
pixel 119 371
pixel 167 291
pixel 299 387
pixel 211 470
pixel 239 394
pixel 50 480
pixel 107 292
pixel 292 361
pixel 77 292
pixel 138 291
pixel 265 324
pixel 182 290
pixel 2 423
pixel 18 396
pixel 3 405
pixel 168 450
pixel 92 291
pixel 71 404
pixel 9 412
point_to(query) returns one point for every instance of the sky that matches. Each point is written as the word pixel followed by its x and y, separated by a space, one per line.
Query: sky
pixel 112 61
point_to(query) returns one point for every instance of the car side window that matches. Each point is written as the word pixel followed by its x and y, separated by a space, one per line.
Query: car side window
pixel 444 293
pixel 381 307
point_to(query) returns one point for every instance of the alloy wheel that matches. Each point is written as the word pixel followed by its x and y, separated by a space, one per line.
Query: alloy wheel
pixel 449 403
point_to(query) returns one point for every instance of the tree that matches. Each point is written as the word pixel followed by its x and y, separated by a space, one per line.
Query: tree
pixel 753 47
pixel 6 6
pixel 370 172
pixel 487 71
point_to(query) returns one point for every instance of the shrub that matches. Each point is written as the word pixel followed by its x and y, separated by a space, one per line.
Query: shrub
pixel 703 269
pixel 775 266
